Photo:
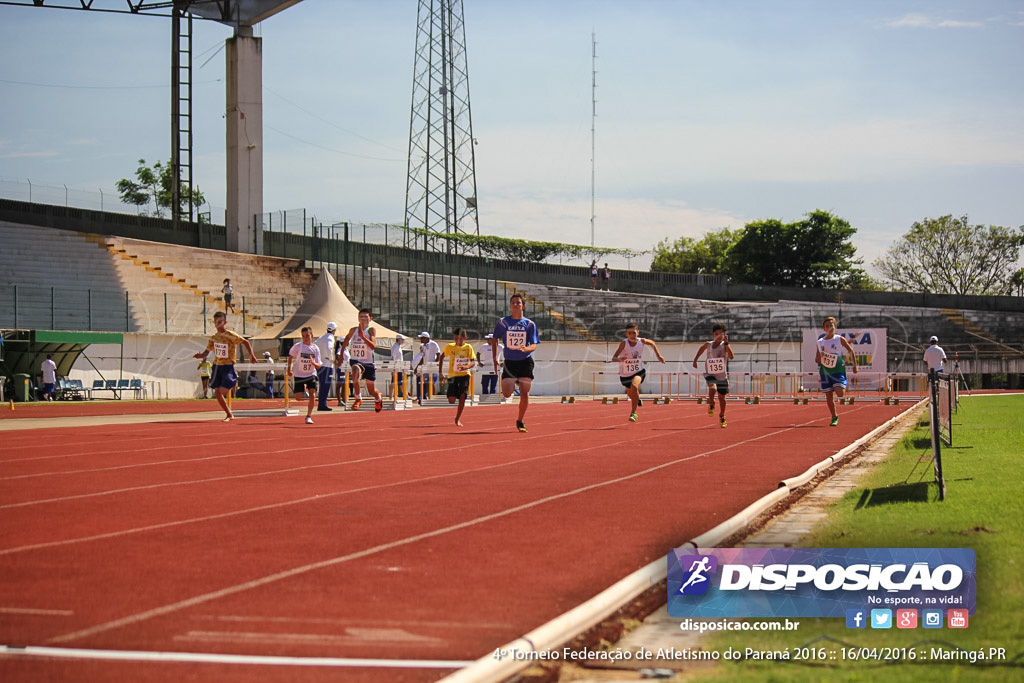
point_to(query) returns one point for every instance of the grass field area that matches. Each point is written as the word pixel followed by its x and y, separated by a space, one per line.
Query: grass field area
pixel 898 506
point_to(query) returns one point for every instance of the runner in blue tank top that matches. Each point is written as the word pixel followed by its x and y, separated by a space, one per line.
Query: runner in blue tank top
pixel 519 335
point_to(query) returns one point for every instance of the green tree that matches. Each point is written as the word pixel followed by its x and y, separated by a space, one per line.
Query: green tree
pixel 687 255
pixel 948 255
pixel 813 252
pixel 155 184
pixel 1017 283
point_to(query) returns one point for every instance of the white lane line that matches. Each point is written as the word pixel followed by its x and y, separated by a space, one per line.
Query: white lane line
pixel 302 448
pixel 253 433
pixel 323 564
pixel 205 658
pixel 298 501
pixel 42 612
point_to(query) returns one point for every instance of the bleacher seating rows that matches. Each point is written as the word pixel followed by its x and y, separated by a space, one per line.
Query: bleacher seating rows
pixel 169 286
pixel 88 281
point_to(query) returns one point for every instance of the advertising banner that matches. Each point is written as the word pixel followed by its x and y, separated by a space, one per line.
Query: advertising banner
pixel 818 582
pixel 869 344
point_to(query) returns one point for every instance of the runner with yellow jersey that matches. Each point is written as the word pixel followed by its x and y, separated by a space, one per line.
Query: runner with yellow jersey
pixel 223 344
pixel 461 359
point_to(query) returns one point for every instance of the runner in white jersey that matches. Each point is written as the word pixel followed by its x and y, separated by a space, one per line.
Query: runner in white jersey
pixel 830 355
pixel 630 357
pixel 716 369
pixel 360 343
pixel 304 358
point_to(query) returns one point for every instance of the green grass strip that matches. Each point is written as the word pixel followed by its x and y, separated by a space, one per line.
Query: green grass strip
pixel 897 506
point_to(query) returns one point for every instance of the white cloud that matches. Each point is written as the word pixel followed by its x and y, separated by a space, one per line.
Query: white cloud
pixel 840 152
pixel 625 223
pixel 949 23
pixel 911 21
pixel 30 155
pixel 924 21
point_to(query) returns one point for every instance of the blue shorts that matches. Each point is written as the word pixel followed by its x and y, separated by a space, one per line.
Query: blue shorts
pixel 830 382
pixel 368 370
pixel 223 377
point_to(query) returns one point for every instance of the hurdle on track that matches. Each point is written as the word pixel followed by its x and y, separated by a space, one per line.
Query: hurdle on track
pixel 396 394
pixel 285 411
pixel 754 387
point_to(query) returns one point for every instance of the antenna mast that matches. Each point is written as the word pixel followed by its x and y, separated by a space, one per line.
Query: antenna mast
pixel 593 127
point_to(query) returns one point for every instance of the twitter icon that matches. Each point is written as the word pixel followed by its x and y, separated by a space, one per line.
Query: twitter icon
pixel 881 618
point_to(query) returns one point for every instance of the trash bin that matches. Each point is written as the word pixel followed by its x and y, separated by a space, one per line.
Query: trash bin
pixel 21 387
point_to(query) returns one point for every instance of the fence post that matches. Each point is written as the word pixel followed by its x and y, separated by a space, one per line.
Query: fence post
pixel 53 324
pixel 127 314
pixel 165 312
pixel 90 309
pixel 243 315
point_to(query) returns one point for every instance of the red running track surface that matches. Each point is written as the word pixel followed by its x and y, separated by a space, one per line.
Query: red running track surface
pixel 394 536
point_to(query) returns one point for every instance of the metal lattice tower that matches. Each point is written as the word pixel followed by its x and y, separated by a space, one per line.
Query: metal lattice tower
pixel 440 193
pixel 181 113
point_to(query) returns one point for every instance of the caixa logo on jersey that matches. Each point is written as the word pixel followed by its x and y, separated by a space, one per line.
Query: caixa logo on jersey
pixel 816 582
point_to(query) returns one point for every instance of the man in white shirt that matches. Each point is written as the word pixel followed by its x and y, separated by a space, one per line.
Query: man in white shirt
pixel 934 356
pixel 326 344
pixel 49 370
pixel 426 357
pixel 485 358
pixel 397 357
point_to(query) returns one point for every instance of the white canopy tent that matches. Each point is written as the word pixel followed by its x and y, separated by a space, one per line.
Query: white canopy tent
pixel 326 302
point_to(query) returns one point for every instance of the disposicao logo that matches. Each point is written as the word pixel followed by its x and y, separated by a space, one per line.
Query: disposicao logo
pixel 818 582
pixel 696 579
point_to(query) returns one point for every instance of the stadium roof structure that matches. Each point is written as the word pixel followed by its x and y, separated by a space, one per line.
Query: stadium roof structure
pixel 231 12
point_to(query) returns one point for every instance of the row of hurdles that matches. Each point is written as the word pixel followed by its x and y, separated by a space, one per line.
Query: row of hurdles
pixel 752 387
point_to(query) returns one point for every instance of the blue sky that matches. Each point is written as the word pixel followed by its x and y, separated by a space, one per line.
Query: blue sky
pixel 710 114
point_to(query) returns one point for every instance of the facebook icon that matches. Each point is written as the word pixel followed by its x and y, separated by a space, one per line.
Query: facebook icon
pixel 856 618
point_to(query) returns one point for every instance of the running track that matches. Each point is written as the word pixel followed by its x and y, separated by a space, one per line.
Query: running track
pixel 387 537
